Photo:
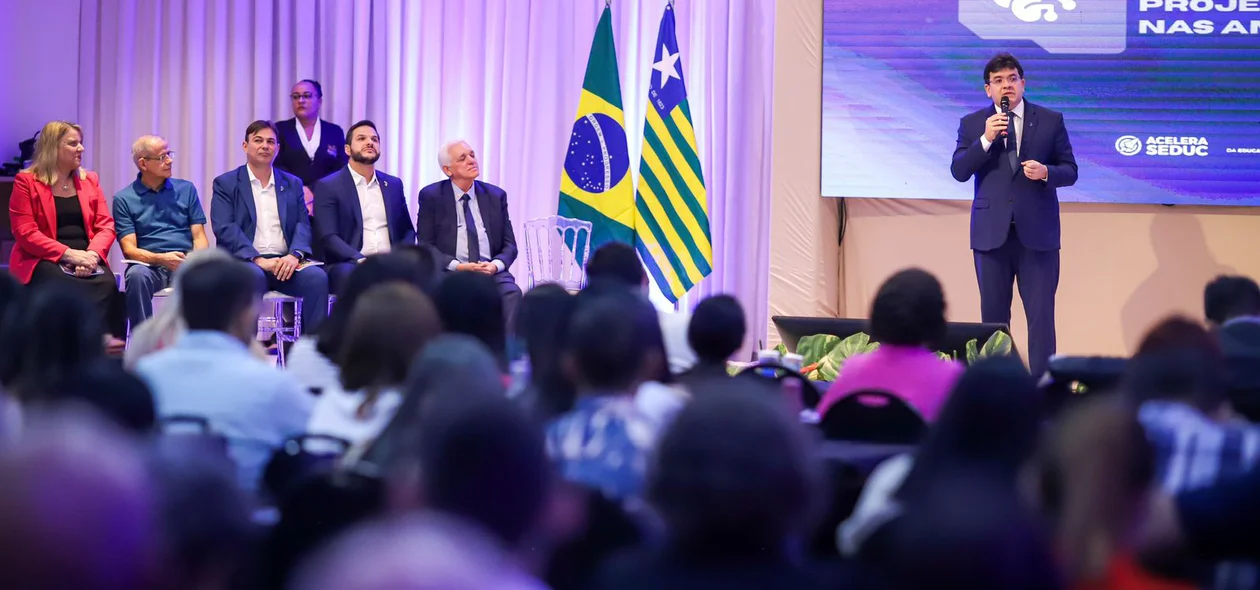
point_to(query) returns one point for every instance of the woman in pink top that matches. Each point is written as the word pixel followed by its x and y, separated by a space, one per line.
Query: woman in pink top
pixel 907 316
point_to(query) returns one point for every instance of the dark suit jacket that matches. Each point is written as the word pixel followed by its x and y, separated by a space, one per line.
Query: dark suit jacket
pixel 339 217
pixel 235 218
pixel 436 223
pixel 329 156
pixel 1002 195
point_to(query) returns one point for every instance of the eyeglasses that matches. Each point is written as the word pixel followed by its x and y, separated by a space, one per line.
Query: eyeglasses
pixel 170 155
pixel 297 96
pixel 1013 79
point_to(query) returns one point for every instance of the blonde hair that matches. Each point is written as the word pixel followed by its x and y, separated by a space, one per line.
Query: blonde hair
pixel 44 164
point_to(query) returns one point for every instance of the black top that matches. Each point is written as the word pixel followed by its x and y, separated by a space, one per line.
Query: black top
pixel 330 155
pixel 71 230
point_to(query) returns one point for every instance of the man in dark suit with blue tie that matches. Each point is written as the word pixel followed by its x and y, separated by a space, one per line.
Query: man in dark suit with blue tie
pixel 359 210
pixel 465 223
pixel 259 216
pixel 1019 156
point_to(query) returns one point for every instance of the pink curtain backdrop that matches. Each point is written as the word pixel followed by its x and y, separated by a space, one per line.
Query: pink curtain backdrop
pixel 503 74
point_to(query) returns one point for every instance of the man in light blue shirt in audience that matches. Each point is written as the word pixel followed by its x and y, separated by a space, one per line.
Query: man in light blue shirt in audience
pixel 210 372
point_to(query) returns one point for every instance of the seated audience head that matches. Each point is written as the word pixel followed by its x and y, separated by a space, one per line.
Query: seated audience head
pixel 167 323
pixel 717 329
pixel 152 156
pixel 469 303
pixel 58 152
pixel 988 429
pixel 909 310
pixel 733 475
pixel 60 331
pixel 426 267
pixel 450 363
pixel 390 324
pixel 946 541
pixel 375 270
pixel 475 444
pixel 207 532
pixel 614 343
pixel 76 507
pixel 616 261
pixel 543 322
pixel 261 144
pixel 1229 297
pixel 1095 481
pixel 1178 359
pixel 307 97
pixel 416 552
pixel 458 160
pixel 106 387
pixel 363 143
pixel 222 296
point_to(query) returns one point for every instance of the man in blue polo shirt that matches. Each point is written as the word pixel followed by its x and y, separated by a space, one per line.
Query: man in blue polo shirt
pixel 159 220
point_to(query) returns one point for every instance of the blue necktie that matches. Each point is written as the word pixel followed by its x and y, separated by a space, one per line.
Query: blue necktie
pixel 1012 143
pixel 470 229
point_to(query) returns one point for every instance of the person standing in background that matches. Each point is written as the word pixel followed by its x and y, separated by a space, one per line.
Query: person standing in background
pixel 1019 155
pixel 310 148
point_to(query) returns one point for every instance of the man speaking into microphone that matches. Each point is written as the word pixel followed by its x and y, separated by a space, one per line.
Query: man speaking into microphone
pixel 1019 155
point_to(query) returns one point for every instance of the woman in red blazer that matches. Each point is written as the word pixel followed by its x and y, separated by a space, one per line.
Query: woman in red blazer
pixel 61 224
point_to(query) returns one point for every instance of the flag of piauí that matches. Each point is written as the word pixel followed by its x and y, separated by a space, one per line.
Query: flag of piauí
pixel 671 216
pixel 596 184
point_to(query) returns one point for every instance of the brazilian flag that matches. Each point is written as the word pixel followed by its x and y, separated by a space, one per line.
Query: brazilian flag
pixel 671 213
pixel 595 183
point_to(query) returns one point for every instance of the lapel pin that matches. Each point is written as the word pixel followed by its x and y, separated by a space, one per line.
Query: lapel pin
pixel 385 183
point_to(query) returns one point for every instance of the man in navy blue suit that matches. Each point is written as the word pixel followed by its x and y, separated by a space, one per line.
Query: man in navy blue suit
pixel 1018 159
pixel 359 210
pixel 259 215
pixel 465 223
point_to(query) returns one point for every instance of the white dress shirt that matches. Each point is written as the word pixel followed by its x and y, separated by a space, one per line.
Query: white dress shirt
pixel 461 235
pixel 372 204
pixel 1017 121
pixel 268 235
pixel 310 144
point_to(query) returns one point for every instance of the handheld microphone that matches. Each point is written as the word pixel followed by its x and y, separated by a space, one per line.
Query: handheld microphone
pixel 1006 110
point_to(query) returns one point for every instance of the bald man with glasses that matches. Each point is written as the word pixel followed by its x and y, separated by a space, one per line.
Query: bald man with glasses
pixel 159 220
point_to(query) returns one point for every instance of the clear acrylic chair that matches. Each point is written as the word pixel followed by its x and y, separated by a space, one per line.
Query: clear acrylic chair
pixel 271 320
pixel 556 249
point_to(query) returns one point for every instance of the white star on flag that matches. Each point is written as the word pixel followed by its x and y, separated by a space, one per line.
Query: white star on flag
pixel 668 66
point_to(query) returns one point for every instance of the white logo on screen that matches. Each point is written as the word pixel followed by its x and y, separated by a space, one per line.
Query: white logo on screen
pixel 1128 145
pixel 1031 11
